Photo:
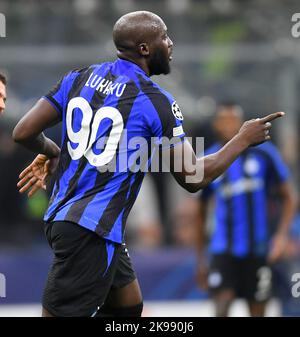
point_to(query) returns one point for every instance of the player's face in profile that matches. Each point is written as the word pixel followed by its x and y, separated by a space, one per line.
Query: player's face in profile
pixel 227 122
pixel 159 62
pixel 2 97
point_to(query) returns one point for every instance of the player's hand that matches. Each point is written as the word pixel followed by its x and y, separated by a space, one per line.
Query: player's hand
pixel 35 176
pixel 257 131
pixel 278 247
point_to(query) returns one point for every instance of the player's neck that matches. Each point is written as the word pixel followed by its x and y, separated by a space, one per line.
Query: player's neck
pixel 140 62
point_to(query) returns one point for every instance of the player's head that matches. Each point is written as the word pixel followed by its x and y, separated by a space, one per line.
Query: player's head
pixel 228 120
pixel 2 93
pixel 142 38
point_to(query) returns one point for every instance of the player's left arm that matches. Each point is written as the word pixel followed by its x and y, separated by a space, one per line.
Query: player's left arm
pixel 289 203
pixel 279 174
pixel 281 236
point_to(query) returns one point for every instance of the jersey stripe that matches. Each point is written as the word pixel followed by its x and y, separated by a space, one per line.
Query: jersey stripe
pixel 65 161
pixel 242 224
pixel 76 210
pixel 85 194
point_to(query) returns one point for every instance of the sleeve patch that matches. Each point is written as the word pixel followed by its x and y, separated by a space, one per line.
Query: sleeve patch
pixel 178 131
pixel 176 111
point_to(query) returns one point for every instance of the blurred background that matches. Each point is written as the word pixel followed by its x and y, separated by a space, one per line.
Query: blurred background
pixel 240 50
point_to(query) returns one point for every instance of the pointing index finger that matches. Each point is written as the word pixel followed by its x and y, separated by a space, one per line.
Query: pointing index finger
pixel 272 116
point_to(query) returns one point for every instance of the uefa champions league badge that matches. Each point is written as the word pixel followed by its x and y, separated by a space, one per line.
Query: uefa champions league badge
pixel 176 111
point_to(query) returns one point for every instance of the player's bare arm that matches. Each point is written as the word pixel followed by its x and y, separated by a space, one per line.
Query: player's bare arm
pixel 252 132
pixel 28 132
pixel 200 240
pixel 280 238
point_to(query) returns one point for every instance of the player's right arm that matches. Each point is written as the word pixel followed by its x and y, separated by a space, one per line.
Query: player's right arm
pixel 164 119
pixel 197 173
pixel 29 130
pixel 29 133
pixel 44 114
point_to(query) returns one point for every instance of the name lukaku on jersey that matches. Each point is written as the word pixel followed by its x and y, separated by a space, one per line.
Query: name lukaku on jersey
pixel 104 86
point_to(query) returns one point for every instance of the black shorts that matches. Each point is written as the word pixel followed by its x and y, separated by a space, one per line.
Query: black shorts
pixel 85 268
pixel 250 277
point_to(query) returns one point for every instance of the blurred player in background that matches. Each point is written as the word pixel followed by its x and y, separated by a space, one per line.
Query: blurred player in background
pixel 2 93
pixel 86 218
pixel 241 246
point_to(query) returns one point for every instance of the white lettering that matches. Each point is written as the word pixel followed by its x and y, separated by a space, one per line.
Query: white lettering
pixel 120 92
pixel 112 88
pixel 107 89
pixel 296 286
pixel 241 186
pixel 95 81
pixel 122 327
pixel 87 84
pixel 102 85
pixel 105 86
pixel 296 27
pixel 2 285
pixel 2 25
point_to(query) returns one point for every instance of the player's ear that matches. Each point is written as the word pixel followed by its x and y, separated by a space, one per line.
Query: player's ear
pixel 144 49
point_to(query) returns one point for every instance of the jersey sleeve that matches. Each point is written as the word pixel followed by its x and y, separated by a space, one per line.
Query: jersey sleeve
pixel 164 119
pixel 56 96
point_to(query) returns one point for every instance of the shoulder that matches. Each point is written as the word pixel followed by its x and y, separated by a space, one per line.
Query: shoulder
pixel 160 98
pixel 150 88
pixel 74 73
pixel 83 70
pixel 90 68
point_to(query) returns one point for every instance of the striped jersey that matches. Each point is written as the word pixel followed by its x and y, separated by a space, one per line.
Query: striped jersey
pixel 111 113
pixel 241 195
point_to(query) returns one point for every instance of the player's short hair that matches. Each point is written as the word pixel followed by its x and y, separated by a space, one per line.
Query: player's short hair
pixel 3 79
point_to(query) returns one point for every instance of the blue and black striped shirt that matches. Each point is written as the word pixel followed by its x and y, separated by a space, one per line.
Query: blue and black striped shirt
pixel 103 108
pixel 241 194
